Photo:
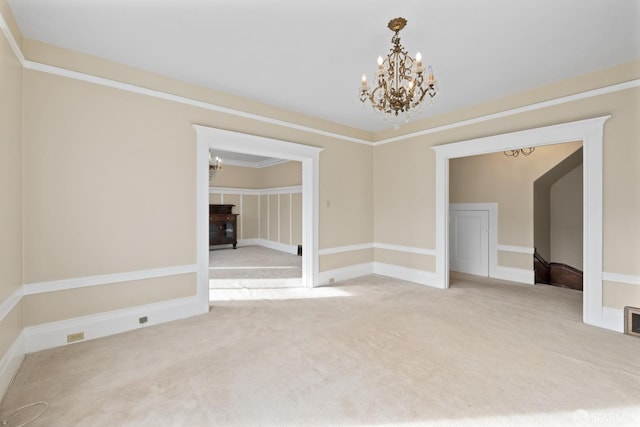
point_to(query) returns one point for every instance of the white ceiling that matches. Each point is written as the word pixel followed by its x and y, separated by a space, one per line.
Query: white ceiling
pixel 309 56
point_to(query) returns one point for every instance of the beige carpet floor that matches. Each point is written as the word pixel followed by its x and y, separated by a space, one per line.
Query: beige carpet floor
pixel 369 351
pixel 253 267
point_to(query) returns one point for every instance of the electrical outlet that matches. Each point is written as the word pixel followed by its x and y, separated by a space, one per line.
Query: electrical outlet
pixel 143 319
pixel 78 336
pixel 332 280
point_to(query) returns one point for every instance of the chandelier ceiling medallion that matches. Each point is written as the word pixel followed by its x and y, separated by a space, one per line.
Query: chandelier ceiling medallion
pixel 401 83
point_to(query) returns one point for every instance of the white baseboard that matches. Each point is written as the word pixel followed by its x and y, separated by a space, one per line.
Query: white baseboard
pixel 54 334
pixel 290 249
pixel 512 274
pixel 613 319
pixel 421 277
pixel 344 273
pixel 10 363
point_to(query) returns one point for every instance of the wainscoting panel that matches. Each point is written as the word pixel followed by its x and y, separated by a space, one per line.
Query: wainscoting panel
pixel 270 214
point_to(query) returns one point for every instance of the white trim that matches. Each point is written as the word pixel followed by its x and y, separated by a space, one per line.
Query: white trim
pixel 516 249
pixel 282 247
pixel 421 277
pixel 255 165
pixel 279 220
pixel 213 107
pixel 12 41
pixel 268 216
pixel 345 273
pixel 12 300
pixel 163 95
pixel 407 249
pixel 256 191
pixel 621 278
pixel 49 69
pixel 613 319
pixel 591 132
pixel 513 274
pixel 54 334
pixel 208 137
pixel 375 245
pixel 492 208
pixel 342 249
pixel 531 107
pixel 106 279
pixel 10 362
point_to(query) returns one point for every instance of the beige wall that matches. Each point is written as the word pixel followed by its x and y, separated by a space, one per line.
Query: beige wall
pixel 281 175
pixel 112 174
pixel 109 185
pixel 566 219
pixel 346 194
pixel 404 176
pixel 236 177
pixel 273 218
pixel 11 226
pixel 507 181
pixel 542 202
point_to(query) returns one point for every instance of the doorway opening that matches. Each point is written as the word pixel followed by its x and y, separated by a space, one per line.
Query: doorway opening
pixel 264 197
pixel 208 138
pixel 591 133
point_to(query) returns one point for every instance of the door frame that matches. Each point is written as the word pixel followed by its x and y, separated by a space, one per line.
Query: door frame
pixel 309 156
pixel 492 209
pixel 591 133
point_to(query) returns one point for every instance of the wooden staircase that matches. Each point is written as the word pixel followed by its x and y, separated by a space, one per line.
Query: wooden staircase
pixel 556 274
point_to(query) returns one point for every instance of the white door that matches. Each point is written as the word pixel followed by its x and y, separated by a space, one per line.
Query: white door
pixel 469 241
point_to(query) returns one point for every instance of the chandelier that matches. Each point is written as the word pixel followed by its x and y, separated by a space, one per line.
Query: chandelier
pixel 215 164
pixel 516 153
pixel 400 80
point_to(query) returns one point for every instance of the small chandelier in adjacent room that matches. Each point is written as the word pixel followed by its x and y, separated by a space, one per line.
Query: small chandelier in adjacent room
pixel 401 81
pixel 215 164
pixel 523 151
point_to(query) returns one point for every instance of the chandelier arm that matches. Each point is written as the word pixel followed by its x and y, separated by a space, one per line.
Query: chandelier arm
pixel 401 85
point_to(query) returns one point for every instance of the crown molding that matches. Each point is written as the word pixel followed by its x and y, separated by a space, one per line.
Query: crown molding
pixel 11 40
pixel 255 165
pixel 531 107
pixel 36 66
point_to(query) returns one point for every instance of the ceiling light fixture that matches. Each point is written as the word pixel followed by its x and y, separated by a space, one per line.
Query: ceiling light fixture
pixel 215 164
pixel 400 80
pixel 523 151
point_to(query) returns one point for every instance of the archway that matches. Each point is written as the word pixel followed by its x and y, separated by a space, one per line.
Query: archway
pixel 208 137
pixel 591 132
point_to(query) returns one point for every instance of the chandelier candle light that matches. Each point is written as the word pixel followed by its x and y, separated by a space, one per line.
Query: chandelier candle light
pixel 400 80
pixel 215 164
